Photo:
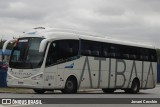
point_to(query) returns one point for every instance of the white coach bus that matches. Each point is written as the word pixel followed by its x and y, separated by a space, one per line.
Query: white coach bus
pixel 68 61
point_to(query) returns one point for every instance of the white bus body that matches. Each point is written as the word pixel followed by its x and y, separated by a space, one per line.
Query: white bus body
pixel 68 61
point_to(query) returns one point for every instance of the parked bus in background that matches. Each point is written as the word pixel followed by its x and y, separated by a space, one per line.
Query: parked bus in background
pixel 68 61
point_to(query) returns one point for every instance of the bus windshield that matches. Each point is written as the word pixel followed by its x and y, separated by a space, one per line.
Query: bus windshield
pixel 25 55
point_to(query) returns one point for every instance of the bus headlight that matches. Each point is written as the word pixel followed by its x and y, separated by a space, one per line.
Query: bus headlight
pixel 38 77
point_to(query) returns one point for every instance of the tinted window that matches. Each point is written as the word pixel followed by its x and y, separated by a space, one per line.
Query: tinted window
pixel 110 50
pixel 91 48
pixel 153 55
pixel 105 50
pixel 61 50
pixel 26 55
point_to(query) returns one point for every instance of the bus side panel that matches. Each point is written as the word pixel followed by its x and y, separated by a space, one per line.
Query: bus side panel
pixel 67 69
pixel 104 81
pixel 91 70
pixel 149 75
pixel 155 72
pixel 94 71
pixel 138 68
pixel 64 71
pixel 151 83
pixel 117 69
pixel 145 74
pixel 127 73
pixel 83 77
pixel 50 77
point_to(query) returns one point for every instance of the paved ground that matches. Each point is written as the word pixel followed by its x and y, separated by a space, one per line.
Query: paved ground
pixel 150 93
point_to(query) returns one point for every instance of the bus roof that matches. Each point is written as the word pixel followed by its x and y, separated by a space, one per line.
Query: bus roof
pixel 69 34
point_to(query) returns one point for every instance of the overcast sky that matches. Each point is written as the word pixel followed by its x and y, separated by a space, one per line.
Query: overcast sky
pixel 133 20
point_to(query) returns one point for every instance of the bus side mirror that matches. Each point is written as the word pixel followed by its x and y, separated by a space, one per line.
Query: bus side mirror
pixel 6 44
pixel 43 45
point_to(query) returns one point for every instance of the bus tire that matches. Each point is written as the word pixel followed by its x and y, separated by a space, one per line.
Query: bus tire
pixel 39 91
pixel 70 86
pixel 134 87
pixel 107 90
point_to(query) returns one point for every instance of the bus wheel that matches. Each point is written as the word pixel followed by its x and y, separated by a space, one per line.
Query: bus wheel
pixel 134 87
pixel 70 86
pixel 106 90
pixel 39 91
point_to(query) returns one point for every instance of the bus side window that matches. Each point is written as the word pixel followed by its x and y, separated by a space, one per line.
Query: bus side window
pixel 112 51
pixel 85 48
pixel 153 55
pixel 126 56
pixel 96 49
pixel 86 52
pixel 105 53
pixel 105 50
pixel 61 50
pixel 144 54
pixel 126 52
pixel 52 54
pixel 67 49
pixel 91 48
pixel 116 51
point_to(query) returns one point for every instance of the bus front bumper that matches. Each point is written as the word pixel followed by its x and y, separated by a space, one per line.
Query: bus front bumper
pixel 27 83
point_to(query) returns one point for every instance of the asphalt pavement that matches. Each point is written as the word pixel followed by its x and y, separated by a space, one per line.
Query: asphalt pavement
pixel 94 96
